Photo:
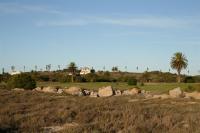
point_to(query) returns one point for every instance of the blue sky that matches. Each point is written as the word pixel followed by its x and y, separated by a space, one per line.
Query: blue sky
pixel 99 33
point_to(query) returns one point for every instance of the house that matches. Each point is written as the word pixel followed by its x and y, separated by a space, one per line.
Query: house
pixel 85 70
pixel 15 72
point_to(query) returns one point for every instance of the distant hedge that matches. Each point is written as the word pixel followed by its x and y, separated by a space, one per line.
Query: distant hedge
pixel 132 81
pixel 189 80
pixel 22 81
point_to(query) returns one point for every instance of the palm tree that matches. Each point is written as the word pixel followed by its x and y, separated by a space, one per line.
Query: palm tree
pixel 3 70
pixel 179 62
pixel 48 67
pixel 115 69
pixel 72 69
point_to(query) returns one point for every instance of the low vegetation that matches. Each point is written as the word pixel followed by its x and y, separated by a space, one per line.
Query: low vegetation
pixel 132 81
pixel 30 111
pixel 24 81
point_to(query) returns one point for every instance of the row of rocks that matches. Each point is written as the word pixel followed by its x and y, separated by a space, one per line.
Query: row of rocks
pixel 76 91
pixel 109 91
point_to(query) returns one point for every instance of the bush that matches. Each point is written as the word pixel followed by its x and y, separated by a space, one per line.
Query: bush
pixel 91 77
pixel 4 77
pixel 192 88
pixel 141 84
pixel 21 81
pixel 44 78
pixel 189 80
pixel 3 85
pixel 64 79
pixel 132 81
pixel 80 79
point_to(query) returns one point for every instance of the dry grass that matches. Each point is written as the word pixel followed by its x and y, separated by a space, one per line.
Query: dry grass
pixel 32 112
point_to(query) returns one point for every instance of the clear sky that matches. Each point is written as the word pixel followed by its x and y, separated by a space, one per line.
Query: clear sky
pixel 143 33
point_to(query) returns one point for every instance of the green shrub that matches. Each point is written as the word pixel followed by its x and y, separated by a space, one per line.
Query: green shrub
pixel 44 78
pixel 132 81
pixel 190 88
pixel 189 80
pixel 21 81
pixel 91 77
pixel 80 79
pixel 141 84
pixel 3 85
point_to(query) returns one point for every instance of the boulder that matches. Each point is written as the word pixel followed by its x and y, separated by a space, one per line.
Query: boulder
pixel 105 91
pixel 195 95
pixel 60 91
pixel 38 89
pixel 143 91
pixel 118 93
pixel 93 94
pixel 86 92
pixel 133 91
pixel 75 91
pixel 176 93
pixel 50 89
pixel 18 89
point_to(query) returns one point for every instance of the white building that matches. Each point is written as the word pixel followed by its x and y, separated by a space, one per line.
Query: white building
pixel 15 72
pixel 85 70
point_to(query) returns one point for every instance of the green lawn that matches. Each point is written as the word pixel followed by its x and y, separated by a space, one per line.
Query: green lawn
pixel 155 87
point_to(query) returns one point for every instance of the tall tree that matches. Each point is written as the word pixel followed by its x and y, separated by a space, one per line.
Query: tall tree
pixel 72 68
pixel 12 68
pixel 48 67
pixel 104 68
pixel 92 70
pixel 3 70
pixel 24 68
pixel 125 68
pixel 36 68
pixel 115 69
pixel 137 68
pixel 179 62
pixel 59 67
